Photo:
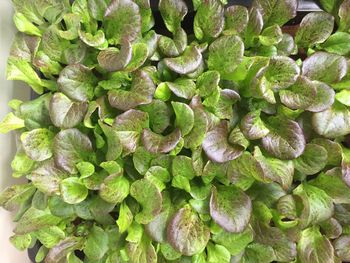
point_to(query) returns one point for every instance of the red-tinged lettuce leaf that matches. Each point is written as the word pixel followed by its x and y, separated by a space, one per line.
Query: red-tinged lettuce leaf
pixel 333 122
pixel 156 143
pixel 300 95
pixel 37 144
pixel 344 11
pixel 65 113
pixel 142 251
pixel 279 171
pixel 173 47
pixel 184 117
pixel 254 27
pixel 112 59
pixel 131 120
pixel 331 228
pixel 97 8
pixel 173 12
pixel 77 82
pixel 334 150
pixel 149 197
pixel 183 88
pixel 234 242
pixel 207 83
pixel 73 191
pixel 217 147
pixel 256 252
pixel 114 149
pixel 122 21
pixel 141 92
pixel 188 62
pixel 313 159
pixel 200 125
pixel 96 245
pixel 71 146
pixel 63 248
pixel 271 36
pixel 115 188
pixel 345 165
pixel 324 97
pixel 230 208
pixel 325 67
pixel 342 247
pixel 139 56
pixel 317 205
pixel 24 47
pixel 187 233
pixel 276 11
pixel 236 19
pixel 209 20
pixel 315 28
pixel 34 219
pixel 253 127
pixel 156 229
pixel 286 139
pixel 159 115
pixel 46 177
pixel 332 183
pixel 16 195
pixel 280 73
pixel 224 107
pixel 314 247
pixel 225 54
pixel 287 45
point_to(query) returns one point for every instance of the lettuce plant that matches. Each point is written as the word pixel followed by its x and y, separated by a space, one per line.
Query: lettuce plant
pixel 222 142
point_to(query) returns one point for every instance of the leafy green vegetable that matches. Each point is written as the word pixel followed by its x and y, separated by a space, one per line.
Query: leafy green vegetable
pixel 153 139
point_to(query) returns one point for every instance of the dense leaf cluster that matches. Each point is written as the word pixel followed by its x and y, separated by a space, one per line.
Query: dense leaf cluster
pixel 221 145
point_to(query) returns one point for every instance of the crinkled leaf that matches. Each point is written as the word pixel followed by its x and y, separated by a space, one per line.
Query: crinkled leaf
pixel 62 249
pixel 142 251
pixel 285 140
pixel 184 117
pixel 315 28
pixel 324 97
pixel 230 208
pixel 314 247
pixel 325 67
pixel 37 144
pixel 141 92
pixel 73 191
pixel 333 122
pixel 187 233
pixel 313 159
pixel 271 35
pixel 112 59
pixel 183 88
pixel 253 127
pixel 173 12
pixel 317 205
pixel 96 245
pixel 122 21
pixel 11 122
pixel 143 191
pixel 70 147
pixel 65 113
pixel 186 63
pixel 344 11
pixel 114 188
pixel 77 82
pixel 217 147
pixel 332 183
pixel 225 54
pixel 341 247
pixel 236 19
pixel 139 56
pixel 34 219
pixel 156 143
pixel 209 20
pixel 276 11
pixel 16 195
